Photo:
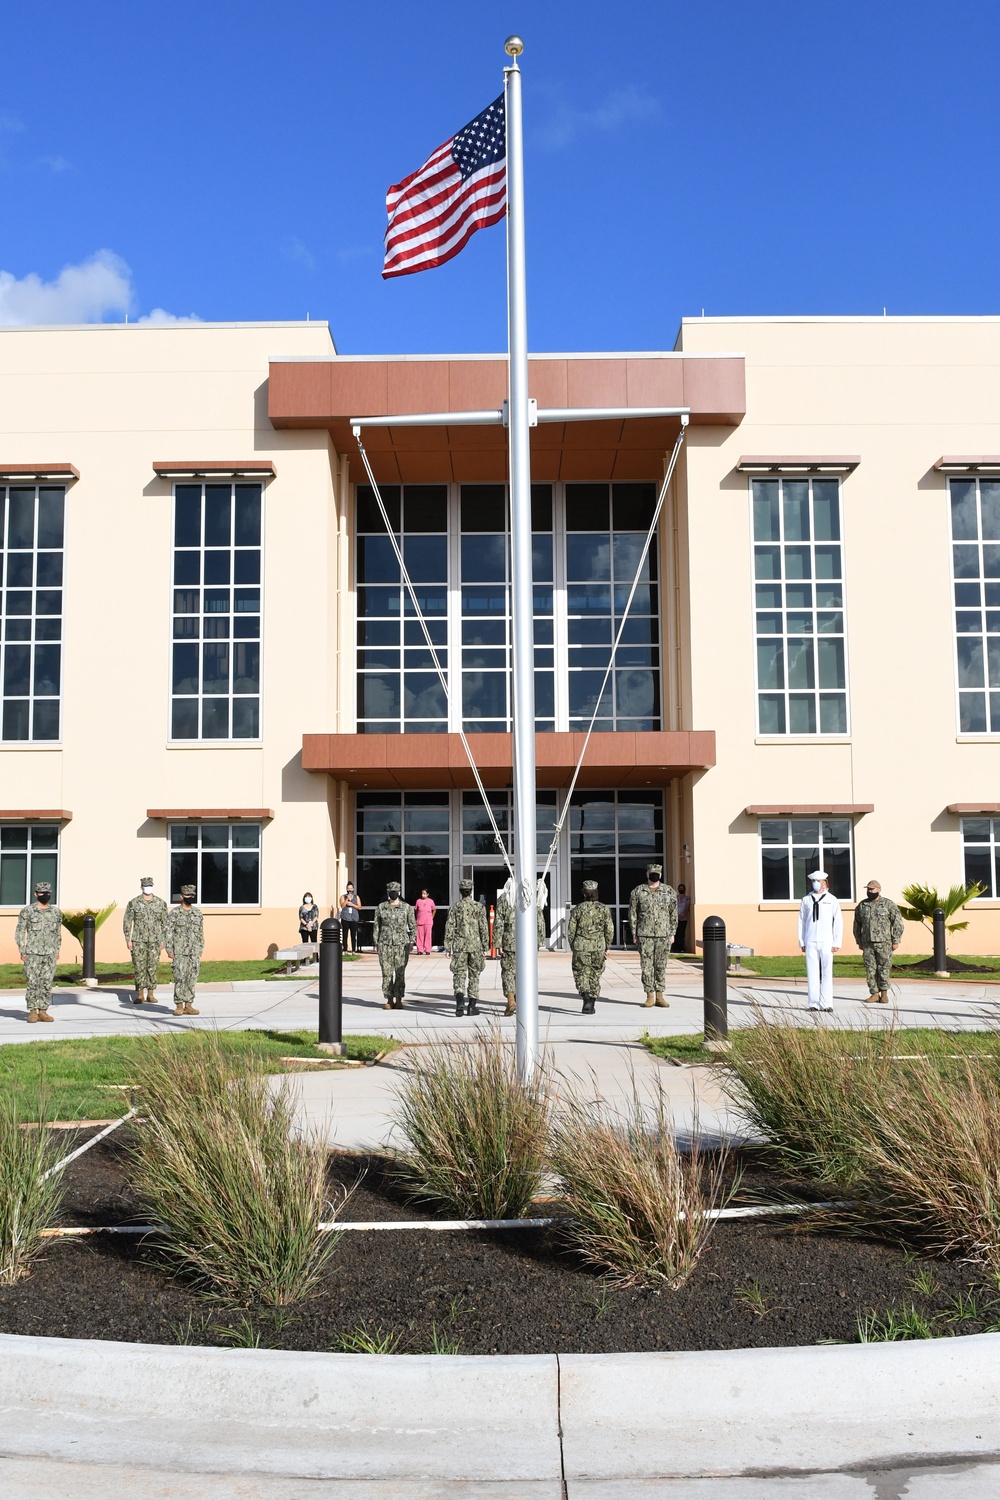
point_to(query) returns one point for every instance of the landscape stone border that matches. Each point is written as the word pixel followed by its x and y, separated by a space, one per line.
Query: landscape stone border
pixel 500 1417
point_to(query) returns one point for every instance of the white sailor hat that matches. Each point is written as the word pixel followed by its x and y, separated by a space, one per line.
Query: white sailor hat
pixel 819 875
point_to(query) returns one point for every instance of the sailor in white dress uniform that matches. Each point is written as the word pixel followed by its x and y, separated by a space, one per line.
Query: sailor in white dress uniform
pixel 821 934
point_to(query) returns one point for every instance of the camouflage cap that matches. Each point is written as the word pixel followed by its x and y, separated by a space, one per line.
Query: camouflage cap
pixel 147 880
pixel 465 886
pixel 590 886
pixel 42 885
pixel 393 888
pixel 188 890
pixel 654 869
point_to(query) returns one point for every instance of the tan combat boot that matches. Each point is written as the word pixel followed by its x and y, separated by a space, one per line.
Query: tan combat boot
pixel 43 1015
pixel 511 1004
pixel 32 1017
pixel 883 997
pixel 649 1000
pixel 660 1000
pixel 189 1010
pixel 178 1010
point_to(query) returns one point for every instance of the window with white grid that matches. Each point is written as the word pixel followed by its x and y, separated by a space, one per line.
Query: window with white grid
pixel 31 569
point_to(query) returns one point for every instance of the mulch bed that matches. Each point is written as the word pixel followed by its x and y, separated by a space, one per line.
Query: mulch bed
pixel 512 1292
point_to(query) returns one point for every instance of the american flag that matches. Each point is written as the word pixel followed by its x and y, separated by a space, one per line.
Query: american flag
pixel 460 188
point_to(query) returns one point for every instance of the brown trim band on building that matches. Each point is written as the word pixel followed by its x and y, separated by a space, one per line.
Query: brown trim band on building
pixel 39 472
pixel 205 814
pixel 977 464
pixel 811 810
pixel 751 463
pixel 974 807
pixel 217 468
pixel 423 762
pixel 35 815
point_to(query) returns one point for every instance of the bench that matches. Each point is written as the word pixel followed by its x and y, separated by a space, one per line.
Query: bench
pixel 293 957
pixel 734 951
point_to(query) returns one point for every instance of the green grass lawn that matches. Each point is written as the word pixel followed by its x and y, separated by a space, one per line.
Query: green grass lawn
pixel 77 1078
pixel 213 971
pixel 851 965
pixel 907 1042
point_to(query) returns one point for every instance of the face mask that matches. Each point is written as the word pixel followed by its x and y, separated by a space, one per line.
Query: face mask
pixel 817 885
pixel 42 897
pixel 307 901
pixel 873 895
pixel 147 890
pixel 350 890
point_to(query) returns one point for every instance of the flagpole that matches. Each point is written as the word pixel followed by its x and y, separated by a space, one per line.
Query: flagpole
pixel 523 654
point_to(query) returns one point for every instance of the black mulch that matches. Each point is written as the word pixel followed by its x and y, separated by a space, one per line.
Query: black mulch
pixel 513 1292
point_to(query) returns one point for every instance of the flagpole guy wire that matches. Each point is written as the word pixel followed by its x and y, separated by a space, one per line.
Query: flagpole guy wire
pixel 668 476
pixel 408 584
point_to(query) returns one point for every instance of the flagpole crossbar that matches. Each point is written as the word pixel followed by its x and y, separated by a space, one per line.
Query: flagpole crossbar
pixel 498 417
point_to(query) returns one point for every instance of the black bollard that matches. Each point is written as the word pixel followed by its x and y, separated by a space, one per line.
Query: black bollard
pixel 89 928
pixel 331 986
pixel 715 962
pixel 940 959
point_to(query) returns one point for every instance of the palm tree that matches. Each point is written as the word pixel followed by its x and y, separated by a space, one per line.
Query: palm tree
pixel 924 900
pixel 73 921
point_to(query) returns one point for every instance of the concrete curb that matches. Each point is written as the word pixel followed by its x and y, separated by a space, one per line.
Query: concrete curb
pixel 511 1418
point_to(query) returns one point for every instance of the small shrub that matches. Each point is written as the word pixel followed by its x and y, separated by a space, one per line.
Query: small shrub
pixel 217 1164
pixel 896 1323
pixel 29 1202
pixel 637 1208
pixel 368 1338
pixel 476 1135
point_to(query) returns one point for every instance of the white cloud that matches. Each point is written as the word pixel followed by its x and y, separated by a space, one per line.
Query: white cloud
pixel 616 109
pixel 98 290
pixel 295 250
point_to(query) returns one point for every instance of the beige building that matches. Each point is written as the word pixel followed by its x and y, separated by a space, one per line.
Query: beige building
pixel 212 672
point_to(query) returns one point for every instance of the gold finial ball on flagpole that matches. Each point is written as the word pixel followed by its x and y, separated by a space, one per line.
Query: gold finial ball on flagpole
pixel 513 46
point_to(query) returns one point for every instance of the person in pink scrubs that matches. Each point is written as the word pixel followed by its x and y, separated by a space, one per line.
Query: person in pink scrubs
pixel 425 910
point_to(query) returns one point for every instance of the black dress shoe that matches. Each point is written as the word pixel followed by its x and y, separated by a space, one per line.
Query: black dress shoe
pixel 460 1005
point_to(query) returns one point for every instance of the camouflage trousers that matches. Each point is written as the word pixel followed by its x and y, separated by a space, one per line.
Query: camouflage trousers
pixel 653 961
pixel 39 972
pixel 508 973
pixel 540 916
pixel 145 958
pixel 392 961
pixel 185 966
pixel 466 966
pixel 878 966
pixel 588 967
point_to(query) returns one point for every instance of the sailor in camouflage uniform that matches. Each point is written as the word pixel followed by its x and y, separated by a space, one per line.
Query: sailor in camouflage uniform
pixel 591 933
pixel 145 924
pixel 878 932
pixel 184 941
pixel 505 942
pixel 38 936
pixel 395 934
pixel 466 937
pixel 652 913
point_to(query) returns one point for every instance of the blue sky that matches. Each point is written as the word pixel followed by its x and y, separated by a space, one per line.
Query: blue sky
pixel 229 161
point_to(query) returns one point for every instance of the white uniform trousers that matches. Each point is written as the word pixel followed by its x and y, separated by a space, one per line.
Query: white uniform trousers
pixel 819 976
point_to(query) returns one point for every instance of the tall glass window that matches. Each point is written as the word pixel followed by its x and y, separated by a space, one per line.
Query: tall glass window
pixel 217 579
pixel 455 541
pixel 606 528
pixel 221 860
pixel 981 847
pixel 975 533
pixel 398 687
pixel 799 582
pixel 613 835
pixel 31 568
pixel 28 852
pixel 790 848
pixel 404 837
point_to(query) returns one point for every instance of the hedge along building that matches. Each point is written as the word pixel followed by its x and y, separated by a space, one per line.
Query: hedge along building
pixel 211 672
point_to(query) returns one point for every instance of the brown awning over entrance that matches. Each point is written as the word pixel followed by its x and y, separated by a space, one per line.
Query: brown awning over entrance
pixel 419 762
pixel 327 393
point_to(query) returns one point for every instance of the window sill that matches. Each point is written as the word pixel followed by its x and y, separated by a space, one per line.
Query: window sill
pixel 977 739
pixel 215 744
pixel 31 744
pixel 802 739
pixel 794 905
pixel 231 911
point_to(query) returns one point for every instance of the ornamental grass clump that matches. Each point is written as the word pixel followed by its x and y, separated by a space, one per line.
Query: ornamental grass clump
pixel 29 1200
pixel 814 1093
pixel 475 1134
pixel 637 1207
pixel 215 1160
